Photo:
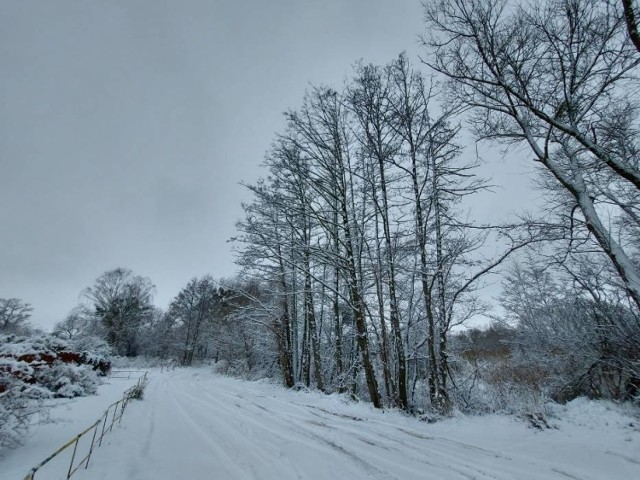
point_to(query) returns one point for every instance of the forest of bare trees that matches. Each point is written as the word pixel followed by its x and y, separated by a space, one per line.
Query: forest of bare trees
pixel 362 264
pixel 360 236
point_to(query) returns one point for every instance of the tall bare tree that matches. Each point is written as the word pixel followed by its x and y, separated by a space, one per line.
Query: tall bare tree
pixel 370 99
pixel 320 131
pixel 560 77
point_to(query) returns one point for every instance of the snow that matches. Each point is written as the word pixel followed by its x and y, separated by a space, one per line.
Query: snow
pixel 195 423
pixel 67 418
pixel 17 346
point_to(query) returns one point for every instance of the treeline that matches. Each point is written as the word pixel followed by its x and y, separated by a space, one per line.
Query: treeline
pixel 203 322
pixel 206 321
pixel 359 236
pixel 359 233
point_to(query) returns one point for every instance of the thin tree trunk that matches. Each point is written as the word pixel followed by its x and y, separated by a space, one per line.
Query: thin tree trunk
pixel 311 320
pixel 358 310
pixel 384 350
pixel 632 23
pixel 394 313
pixel 283 335
pixel 305 368
pixel 433 377
pixel 443 394
pixel 337 325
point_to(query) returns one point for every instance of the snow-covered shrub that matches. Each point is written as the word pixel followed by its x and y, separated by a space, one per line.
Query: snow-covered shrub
pixel 488 380
pixel 94 351
pixel 42 351
pixel 68 380
pixel 35 347
pixel 137 392
pixel 19 402
pixel 494 388
pixel 35 368
pixel 585 335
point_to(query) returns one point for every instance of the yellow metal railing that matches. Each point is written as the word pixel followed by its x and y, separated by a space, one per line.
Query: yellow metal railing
pixel 113 412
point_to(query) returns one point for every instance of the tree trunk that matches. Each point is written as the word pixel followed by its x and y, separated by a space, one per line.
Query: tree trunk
pixel 394 313
pixel 358 308
pixel 443 367
pixel 283 335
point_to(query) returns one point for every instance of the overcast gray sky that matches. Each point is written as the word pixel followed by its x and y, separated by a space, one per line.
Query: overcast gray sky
pixel 127 125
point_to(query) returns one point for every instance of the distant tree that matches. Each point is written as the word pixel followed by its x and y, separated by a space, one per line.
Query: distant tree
pixel 74 325
pixel 120 302
pixel 194 309
pixel 251 309
pixel 14 315
pixel 158 335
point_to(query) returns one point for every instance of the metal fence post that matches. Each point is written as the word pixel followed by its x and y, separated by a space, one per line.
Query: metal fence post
pixel 122 407
pixel 73 457
pixel 115 410
pixel 93 439
pixel 106 414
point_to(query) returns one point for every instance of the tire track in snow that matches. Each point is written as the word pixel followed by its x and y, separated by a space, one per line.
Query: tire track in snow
pixel 442 466
pixel 452 456
pixel 202 425
pixel 454 452
pixel 213 443
pixel 439 447
pixel 267 426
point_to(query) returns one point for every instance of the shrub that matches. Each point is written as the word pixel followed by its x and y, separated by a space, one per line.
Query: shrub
pixel 19 403
pixel 33 369
pixel 68 380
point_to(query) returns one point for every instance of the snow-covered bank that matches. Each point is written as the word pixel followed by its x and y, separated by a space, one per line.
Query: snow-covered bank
pixel 193 423
pixel 67 418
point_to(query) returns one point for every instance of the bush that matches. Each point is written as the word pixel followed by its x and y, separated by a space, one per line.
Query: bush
pixel 19 403
pixel 137 392
pixel 31 370
pixel 68 380
pixel 500 386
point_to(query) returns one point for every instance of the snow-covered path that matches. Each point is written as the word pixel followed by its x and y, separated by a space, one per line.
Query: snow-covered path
pixel 194 424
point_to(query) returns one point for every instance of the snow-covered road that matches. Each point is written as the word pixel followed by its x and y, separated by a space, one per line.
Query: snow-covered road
pixel 194 424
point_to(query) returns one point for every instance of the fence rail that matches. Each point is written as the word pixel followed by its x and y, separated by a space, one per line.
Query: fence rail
pixel 124 373
pixel 111 415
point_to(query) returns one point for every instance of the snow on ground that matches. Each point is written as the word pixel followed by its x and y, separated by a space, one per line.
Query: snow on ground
pixel 66 419
pixel 193 423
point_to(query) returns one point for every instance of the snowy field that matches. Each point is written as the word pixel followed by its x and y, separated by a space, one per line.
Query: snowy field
pixel 195 424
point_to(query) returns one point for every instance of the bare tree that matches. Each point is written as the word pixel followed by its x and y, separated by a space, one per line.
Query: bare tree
pixel 74 325
pixel 560 77
pixel 194 308
pixel 320 132
pixel 119 302
pixel 370 99
pixel 14 315
pixel 264 237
